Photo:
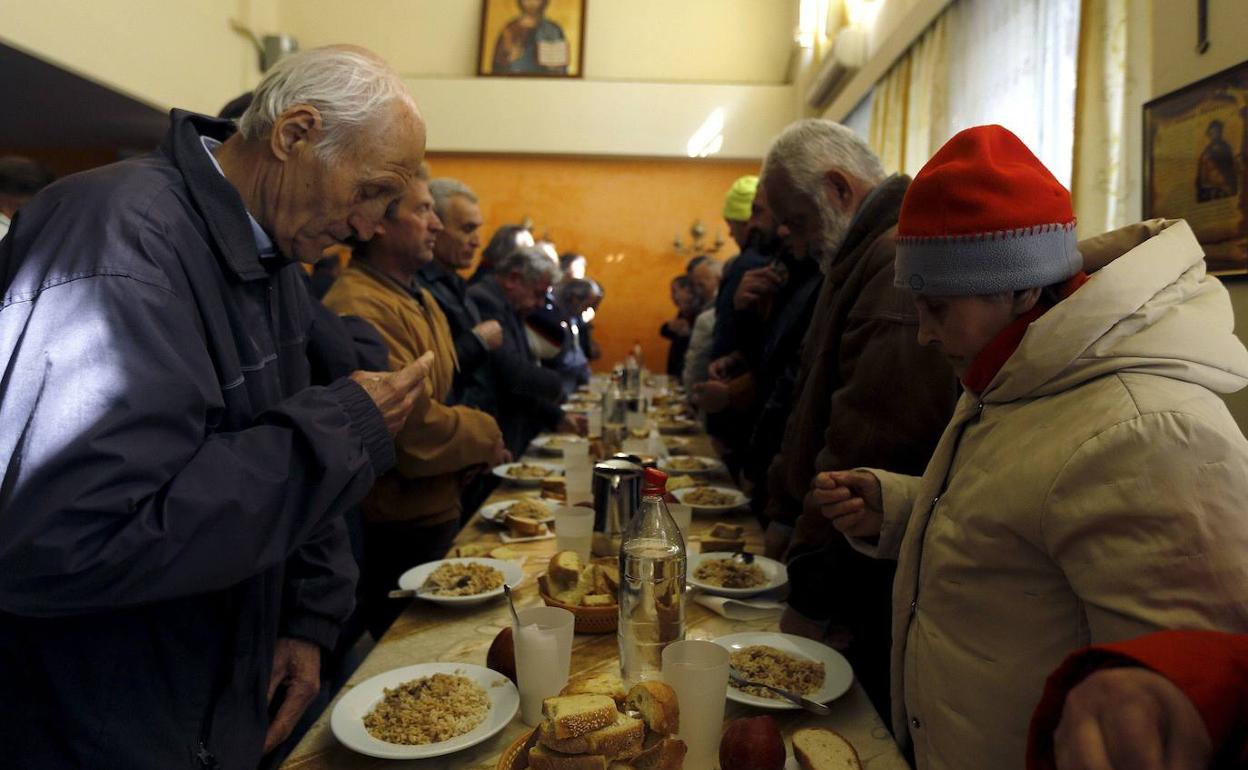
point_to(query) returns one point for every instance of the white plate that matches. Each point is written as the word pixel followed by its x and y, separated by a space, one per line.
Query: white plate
pixel 709 465
pixel 347 719
pixel 507 538
pixel 838 675
pixel 501 472
pixel 739 499
pixel 552 444
pixel 493 512
pixel 777 575
pixel 676 426
pixel 415 577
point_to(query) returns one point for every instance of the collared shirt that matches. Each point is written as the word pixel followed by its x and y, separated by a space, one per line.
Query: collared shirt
pixel 264 244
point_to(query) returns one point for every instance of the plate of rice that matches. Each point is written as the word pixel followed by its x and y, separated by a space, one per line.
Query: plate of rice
pixel 531 507
pixel 461 581
pixel 423 711
pixel 792 663
pixel 719 573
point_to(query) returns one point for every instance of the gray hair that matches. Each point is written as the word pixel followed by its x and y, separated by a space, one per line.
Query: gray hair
pixel 533 264
pixel 347 85
pixel 443 189
pixel 805 150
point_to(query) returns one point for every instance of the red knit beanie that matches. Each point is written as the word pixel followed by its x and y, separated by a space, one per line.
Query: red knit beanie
pixel 984 216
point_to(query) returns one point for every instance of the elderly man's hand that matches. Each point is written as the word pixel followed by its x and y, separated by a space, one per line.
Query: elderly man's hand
pixel 1130 718
pixel 297 665
pixel 500 454
pixel 573 423
pixel 851 500
pixel 711 396
pixel 679 327
pixel 395 392
pixel 755 285
pixel 724 367
pixel 491 334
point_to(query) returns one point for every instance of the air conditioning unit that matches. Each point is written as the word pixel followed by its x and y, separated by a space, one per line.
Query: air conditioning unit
pixel 848 55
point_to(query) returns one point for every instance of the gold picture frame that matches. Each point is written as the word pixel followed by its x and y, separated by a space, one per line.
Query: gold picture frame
pixel 532 38
pixel 1196 164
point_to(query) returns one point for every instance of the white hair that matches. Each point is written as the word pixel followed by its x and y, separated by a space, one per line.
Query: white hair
pixel 805 150
pixel 443 189
pixel 532 263
pixel 348 86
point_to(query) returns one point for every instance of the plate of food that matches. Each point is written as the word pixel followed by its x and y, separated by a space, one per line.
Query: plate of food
pixel 792 663
pixel 676 425
pixel 461 581
pixel 425 710
pixel 738 576
pixel 690 465
pixel 528 507
pixel 526 474
pixel 676 445
pixel 711 499
pixel 555 443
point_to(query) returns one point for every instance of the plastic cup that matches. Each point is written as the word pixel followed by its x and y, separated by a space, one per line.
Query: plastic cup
pixel 683 516
pixel 698 672
pixel 574 529
pixel 543 656
pixel 593 416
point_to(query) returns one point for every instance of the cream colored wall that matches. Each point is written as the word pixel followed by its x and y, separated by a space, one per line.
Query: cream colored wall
pixel 1175 64
pixel 168 54
pixel 709 41
pixel 654 71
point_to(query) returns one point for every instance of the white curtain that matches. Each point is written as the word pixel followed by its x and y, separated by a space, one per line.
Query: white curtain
pixel 1014 62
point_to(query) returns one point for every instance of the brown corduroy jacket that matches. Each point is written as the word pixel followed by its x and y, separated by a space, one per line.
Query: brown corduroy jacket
pixel 867 394
pixel 439 442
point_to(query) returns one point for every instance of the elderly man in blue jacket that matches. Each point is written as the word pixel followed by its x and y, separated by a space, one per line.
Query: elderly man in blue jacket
pixel 172 550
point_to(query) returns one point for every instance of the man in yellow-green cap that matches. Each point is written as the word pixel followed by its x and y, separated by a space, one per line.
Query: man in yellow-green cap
pixel 737 205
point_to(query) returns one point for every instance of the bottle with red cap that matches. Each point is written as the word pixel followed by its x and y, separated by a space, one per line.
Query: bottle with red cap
pixel 652 584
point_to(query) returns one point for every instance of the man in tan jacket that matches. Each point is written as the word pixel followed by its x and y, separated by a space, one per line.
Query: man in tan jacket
pixel 1090 487
pixel 412 514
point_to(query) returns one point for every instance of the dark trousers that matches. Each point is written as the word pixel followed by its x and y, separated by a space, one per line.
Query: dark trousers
pixel 390 549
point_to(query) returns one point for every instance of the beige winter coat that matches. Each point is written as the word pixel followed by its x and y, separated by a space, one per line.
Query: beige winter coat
pixel 1096 491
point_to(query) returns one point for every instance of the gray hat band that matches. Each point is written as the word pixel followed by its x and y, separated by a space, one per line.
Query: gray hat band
pixel 1000 262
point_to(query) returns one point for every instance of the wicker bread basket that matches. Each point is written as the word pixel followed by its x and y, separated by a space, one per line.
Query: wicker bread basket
pixel 516 756
pixel 589 620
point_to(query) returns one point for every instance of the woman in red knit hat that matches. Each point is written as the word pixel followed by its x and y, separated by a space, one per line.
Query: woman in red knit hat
pixel 1089 487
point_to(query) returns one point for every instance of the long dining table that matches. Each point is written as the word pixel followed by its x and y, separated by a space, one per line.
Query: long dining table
pixel 428 632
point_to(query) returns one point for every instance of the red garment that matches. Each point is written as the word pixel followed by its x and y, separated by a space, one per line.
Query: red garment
pixel 994 355
pixel 985 184
pixel 1210 667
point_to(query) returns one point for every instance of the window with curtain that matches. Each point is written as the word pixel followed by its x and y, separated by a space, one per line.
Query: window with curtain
pixel 1011 62
pixel 1014 62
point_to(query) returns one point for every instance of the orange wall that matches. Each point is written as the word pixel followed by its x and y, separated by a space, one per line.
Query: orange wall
pixel 621 214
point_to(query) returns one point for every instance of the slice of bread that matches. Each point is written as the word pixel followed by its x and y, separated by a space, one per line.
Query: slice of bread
pixel 817 748
pixel 504 553
pixel 572 716
pixel 597 600
pixel 660 754
pixel 610 576
pixel 565 569
pixel 714 544
pixel 621 739
pixel 727 531
pixel 605 683
pixel 472 549
pixel 542 758
pixel 524 526
pixel 658 706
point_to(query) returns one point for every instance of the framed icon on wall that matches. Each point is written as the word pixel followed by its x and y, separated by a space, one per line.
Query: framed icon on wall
pixel 532 38
pixel 1196 164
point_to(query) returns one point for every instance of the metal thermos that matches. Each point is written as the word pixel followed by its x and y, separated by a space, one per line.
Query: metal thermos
pixel 617 493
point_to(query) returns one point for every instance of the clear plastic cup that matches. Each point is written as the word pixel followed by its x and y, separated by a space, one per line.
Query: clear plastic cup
pixel 698 672
pixel 543 643
pixel 574 529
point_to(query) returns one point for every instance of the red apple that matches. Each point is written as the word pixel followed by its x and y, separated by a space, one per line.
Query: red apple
pixel 752 743
pixel 502 654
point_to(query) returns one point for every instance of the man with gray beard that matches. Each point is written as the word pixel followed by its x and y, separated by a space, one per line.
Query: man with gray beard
pixel 866 393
